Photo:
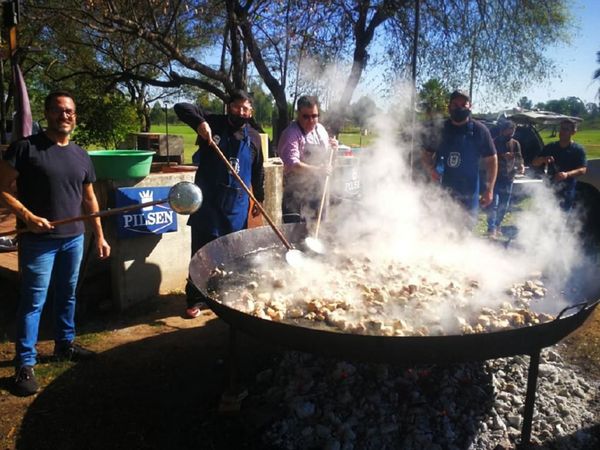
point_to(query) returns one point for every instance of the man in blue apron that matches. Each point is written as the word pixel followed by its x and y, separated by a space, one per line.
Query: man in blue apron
pixel 225 206
pixel 455 160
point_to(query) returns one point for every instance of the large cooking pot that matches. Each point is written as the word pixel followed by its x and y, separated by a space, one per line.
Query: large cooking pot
pixel 405 349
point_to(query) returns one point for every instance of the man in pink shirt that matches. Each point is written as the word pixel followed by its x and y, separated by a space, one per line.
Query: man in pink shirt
pixel 304 149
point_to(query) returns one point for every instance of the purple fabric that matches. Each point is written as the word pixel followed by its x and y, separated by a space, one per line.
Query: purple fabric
pixel 22 121
pixel 292 141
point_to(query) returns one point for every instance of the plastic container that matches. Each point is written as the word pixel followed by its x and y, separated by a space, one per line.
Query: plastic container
pixel 121 164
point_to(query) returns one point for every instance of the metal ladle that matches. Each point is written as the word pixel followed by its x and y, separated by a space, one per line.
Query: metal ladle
pixel 183 198
pixel 294 257
pixel 313 242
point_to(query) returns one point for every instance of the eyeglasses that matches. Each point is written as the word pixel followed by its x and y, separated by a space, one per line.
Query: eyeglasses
pixel 60 111
pixel 310 116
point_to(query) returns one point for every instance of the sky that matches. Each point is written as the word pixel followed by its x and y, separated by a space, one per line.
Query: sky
pixel 577 62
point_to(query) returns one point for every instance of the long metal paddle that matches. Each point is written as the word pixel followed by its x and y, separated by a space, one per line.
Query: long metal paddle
pixel 313 242
pixel 184 198
pixel 293 257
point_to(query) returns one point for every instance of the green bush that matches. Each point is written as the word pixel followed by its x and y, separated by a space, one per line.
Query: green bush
pixel 104 121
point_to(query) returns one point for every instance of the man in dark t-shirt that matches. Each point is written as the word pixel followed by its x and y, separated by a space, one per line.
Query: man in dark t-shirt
pixel 54 181
pixel 454 161
pixel 563 161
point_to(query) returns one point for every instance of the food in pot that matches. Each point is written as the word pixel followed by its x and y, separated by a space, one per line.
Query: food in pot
pixel 355 294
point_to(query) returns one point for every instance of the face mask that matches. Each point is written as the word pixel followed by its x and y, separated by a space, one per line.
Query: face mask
pixel 460 114
pixel 237 121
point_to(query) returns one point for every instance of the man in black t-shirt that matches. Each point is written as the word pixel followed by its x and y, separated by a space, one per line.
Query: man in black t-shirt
pixel 54 181
pixel 564 161
pixel 454 161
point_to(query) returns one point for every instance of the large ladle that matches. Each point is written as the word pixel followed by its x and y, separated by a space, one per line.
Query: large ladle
pixel 313 242
pixel 183 198
pixel 294 257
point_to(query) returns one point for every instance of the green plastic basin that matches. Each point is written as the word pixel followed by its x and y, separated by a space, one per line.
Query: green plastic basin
pixel 121 164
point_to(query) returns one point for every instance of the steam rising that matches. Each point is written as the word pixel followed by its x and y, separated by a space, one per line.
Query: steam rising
pixel 400 220
pixel 415 221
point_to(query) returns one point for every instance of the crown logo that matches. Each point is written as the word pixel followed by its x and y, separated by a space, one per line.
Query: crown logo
pixel 145 197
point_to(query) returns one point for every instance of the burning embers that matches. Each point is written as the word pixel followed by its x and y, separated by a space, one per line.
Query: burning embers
pixel 362 296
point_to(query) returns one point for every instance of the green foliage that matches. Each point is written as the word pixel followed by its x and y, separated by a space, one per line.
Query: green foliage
pixel 525 103
pixel 501 44
pixel 139 48
pixel 262 104
pixel 593 110
pixel 570 106
pixel 209 103
pixel 157 114
pixel 104 121
pixel 433 97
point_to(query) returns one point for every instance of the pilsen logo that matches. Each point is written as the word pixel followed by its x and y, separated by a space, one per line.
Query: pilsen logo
pixel 153 219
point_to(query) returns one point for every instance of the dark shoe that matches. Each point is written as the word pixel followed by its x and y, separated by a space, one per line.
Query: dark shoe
pixel 25 382
pixel 72 352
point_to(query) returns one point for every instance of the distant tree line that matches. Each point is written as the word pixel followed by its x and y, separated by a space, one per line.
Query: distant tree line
pixel 570 106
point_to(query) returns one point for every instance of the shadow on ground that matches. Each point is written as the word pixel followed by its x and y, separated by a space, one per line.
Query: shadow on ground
pixel 164 391
pixel 160 392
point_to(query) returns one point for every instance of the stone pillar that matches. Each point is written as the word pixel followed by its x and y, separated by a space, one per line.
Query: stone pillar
pixel 273 189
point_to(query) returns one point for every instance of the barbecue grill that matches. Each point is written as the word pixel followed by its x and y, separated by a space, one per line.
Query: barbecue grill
pixel 390 349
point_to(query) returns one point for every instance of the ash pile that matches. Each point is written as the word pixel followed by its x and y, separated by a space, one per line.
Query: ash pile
pixel 320 403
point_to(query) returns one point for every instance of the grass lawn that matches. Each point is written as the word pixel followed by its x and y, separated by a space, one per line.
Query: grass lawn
pixel 189 138
pixel 589 138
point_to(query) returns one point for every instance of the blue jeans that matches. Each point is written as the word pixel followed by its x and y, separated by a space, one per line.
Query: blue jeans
pixel 42 258
pixel 500 203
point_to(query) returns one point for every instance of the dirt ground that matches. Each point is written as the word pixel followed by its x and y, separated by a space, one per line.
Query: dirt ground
pixel 155 384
